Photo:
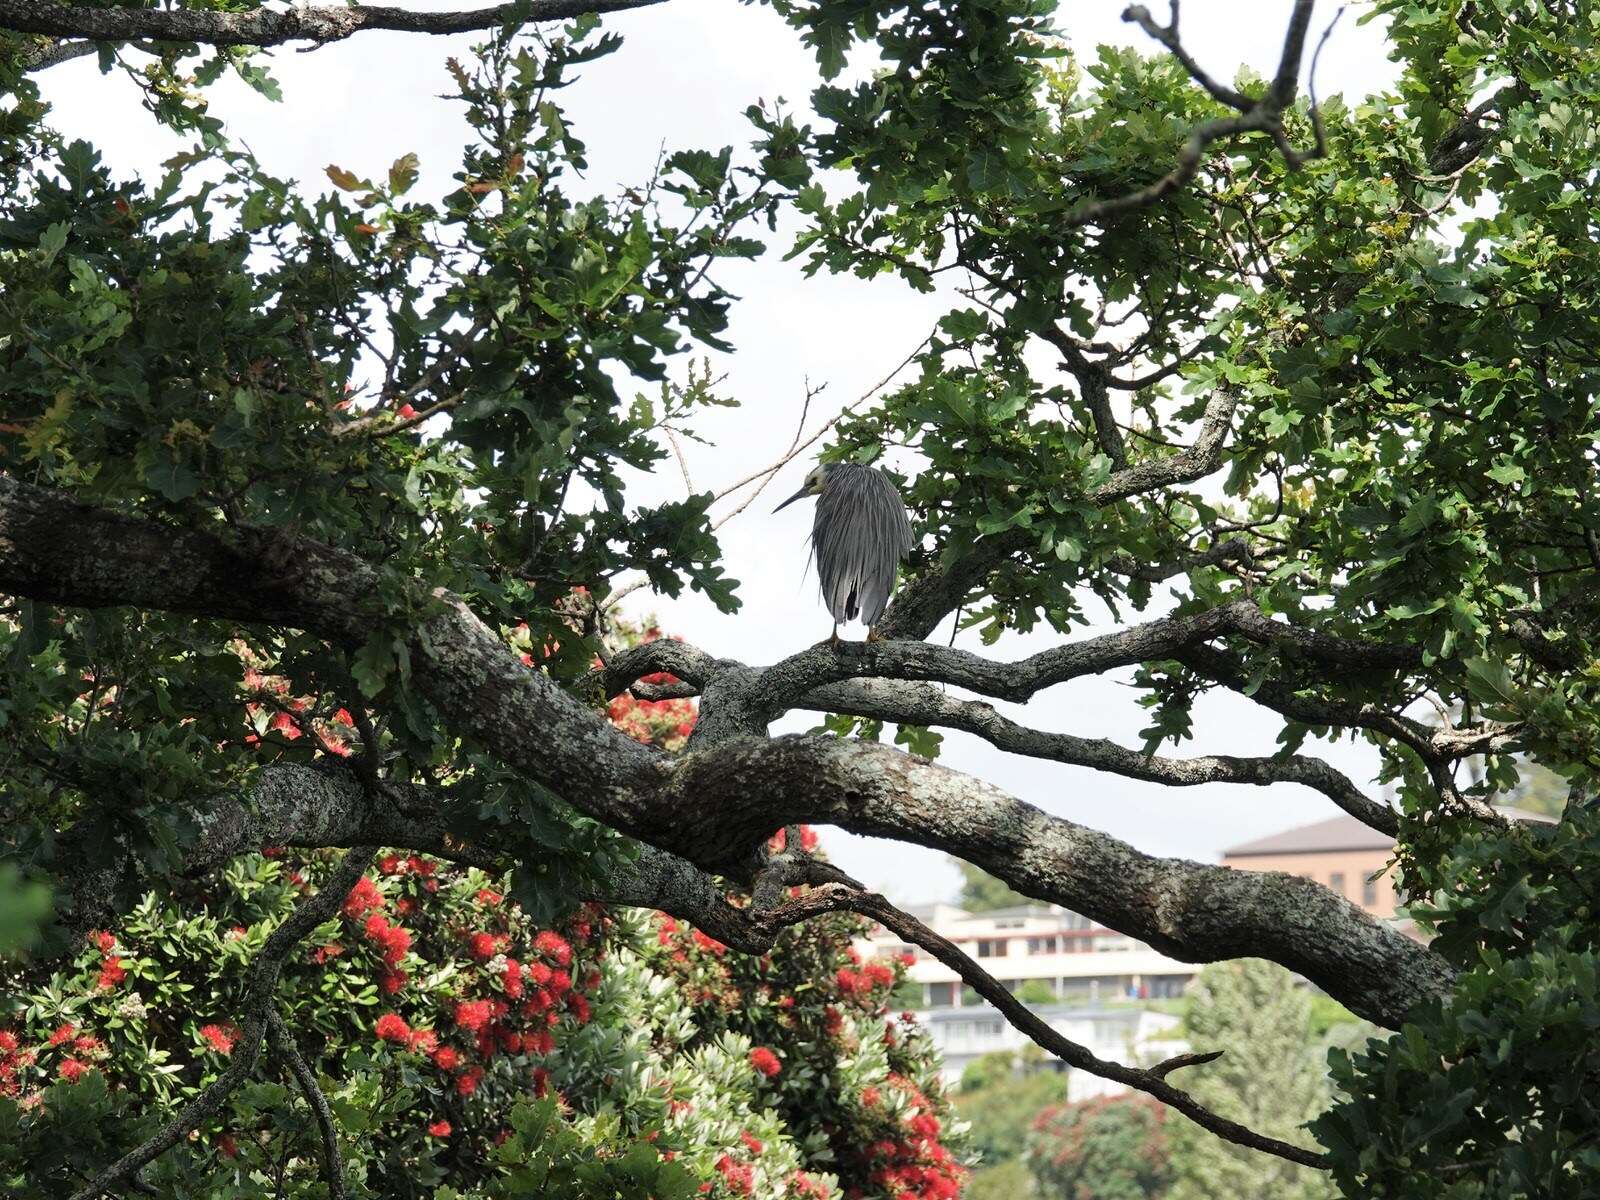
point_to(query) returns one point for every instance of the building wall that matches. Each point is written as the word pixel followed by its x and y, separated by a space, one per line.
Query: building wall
pixel 1347 872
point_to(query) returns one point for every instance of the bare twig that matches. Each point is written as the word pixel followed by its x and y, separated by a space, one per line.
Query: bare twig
pixel 1152 1081
pixel 283 1042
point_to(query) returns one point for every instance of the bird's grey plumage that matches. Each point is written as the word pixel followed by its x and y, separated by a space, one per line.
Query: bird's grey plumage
pixel 860 534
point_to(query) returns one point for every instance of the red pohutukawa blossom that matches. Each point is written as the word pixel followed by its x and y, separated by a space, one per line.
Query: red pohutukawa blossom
pixel 63 1034
pixel 104 941
pixel 392 1027
pixel 439 1129
pixel 363 897
pixel 226 1146
pixel 557 947
pixel 473 1015
pixel 221 1038
pixel 446 1058
pixel 71 1070
pixel 765 1061
pixel 112 972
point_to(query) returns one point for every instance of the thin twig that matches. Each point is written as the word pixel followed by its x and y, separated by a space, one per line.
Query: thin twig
pixel 283 1041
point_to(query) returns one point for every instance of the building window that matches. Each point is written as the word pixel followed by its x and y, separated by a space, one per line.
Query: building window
pixel 1369 892
pixel 1010 923
pixel 991 947
pixel 1042 945
pixel 1336 882
pixel 940 995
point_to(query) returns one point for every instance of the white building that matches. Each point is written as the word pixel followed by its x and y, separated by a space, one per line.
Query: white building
pixel 1044 952
pixel 1084 979
pixel 1125 1034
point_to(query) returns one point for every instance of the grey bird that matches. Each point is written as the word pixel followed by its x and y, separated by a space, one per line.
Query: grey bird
pixel 858 537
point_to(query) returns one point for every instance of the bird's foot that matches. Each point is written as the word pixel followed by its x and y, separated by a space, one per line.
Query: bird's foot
pixel 873 636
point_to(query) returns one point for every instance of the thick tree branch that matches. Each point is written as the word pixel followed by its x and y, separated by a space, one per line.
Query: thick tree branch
pixel 269 27
pixel 713 807
pixel 1166 637
pixel 920 704
pixel 308 914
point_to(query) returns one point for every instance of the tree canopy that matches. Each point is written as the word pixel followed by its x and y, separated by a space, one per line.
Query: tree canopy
pixel 1302 393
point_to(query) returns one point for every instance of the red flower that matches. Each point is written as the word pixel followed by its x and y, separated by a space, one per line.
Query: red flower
pixel 389 864
pixel 363 896
pixel 392 982
pixel 908 959
pixel 709 944
pixel 870 1096
pixel 541 1082
pixel 221 1038
pixel 285 725
pixel 879 974
pixel 473 1015
pixel 467 1081
pixel 481 946
pixel 539 973
pixel 552 943
pixel 751 1141
pixel 72 1070
pixel 226 1146
pixel 765 1061
pixel 579 1007
pixel 391 1027
pixel 740 1177
pixel 112 972
pixel 488 896
pixel 439 1129
pixel 323 953
pixel 235 934
pixel 8 1041
pixel 425 1040
pixel 343 717
pixel 105 941
pixel 63 1035
pixel 513 978
pixel 560 983
pixel 446 1058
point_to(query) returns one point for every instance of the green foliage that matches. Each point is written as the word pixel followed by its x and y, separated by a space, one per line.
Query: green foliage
pixel 1497 1072
pixel 1111 1148
pixel 1269 1078
pixel 458 387
pixel 1001 1105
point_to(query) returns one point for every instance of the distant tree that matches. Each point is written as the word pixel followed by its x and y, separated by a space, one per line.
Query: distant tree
pixel 1000 1097
pixel 1108 1148
pixel 1269 1079
pixel 1036 991
pixel 982 892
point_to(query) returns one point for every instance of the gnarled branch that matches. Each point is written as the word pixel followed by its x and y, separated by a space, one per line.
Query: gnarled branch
pixel 271 27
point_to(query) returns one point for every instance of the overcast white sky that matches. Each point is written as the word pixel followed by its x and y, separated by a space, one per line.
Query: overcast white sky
pixel 685 74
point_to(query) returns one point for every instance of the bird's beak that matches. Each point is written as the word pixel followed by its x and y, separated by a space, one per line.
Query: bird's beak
pixel 800 495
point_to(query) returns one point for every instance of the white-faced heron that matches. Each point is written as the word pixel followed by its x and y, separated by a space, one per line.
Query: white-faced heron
pixel 859 535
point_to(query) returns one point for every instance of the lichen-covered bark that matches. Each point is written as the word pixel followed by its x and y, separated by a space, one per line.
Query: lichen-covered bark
pixel 709 810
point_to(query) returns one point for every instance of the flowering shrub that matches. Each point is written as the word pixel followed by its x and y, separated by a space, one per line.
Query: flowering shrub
pixel 463 1045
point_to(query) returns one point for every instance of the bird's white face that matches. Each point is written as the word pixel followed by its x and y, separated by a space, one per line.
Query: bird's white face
pixel 811 487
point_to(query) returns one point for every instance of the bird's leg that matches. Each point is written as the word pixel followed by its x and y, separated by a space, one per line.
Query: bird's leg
pixel 873 635
pixel 833 638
